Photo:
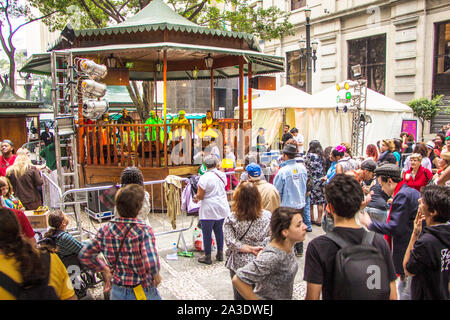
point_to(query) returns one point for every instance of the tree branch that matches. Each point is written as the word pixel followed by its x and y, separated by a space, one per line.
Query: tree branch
pixel 107 11
pixel 32 20
pixel 197 11
pixel 94 19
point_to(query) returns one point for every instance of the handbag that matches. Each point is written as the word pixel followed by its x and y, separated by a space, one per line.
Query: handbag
pixel 240 239
pixel 107 295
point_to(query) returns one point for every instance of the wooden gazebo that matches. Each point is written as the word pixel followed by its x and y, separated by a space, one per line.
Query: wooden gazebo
pixel 157 44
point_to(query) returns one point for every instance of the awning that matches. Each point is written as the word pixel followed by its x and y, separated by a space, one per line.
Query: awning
pixel 261 63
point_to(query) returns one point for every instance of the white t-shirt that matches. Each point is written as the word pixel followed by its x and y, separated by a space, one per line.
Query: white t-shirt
pixel 215 203
pixel 300 138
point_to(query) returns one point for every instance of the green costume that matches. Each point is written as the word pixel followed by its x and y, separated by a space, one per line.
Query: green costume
pixel 155 120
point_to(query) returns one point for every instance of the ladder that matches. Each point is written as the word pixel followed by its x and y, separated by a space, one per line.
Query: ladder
pixel 64 106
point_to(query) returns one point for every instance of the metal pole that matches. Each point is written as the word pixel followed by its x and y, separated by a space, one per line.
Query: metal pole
pixel 308 57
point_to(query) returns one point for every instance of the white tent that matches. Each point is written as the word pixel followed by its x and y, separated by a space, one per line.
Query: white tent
pixel 386 113
pixel 267 110
pixel 316 118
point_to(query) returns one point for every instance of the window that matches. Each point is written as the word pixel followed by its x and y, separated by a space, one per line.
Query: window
pixel 370 53
pixel 296 69
pixel 441 74
pixel 297 4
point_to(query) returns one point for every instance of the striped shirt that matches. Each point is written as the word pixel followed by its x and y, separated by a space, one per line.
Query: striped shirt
pixel 67 244
pixel 138 259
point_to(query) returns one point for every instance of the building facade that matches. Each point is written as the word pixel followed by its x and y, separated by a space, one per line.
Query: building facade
pixel 402 46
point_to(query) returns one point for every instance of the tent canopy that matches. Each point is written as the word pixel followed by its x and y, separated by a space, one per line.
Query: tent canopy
pixel 374 101
pixel 284 97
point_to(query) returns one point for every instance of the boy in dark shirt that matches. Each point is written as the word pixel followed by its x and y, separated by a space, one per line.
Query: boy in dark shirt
pixel 344 197
pixel 427 258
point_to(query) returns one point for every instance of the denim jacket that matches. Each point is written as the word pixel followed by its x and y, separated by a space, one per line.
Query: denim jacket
pixel 291 184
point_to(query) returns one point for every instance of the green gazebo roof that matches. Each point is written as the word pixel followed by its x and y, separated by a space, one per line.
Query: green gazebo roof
pixel 11 103
pixel 157 15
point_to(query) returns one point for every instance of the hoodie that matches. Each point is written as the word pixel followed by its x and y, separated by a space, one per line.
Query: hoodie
pixel 430 264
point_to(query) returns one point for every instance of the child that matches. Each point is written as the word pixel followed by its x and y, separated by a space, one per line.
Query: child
pixel 67 247
pixel 128 245
pixel 8 198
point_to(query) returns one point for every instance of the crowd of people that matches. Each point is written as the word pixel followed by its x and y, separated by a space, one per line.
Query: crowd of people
pixel 384 215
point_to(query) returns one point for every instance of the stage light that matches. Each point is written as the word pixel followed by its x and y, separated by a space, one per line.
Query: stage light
pixel 94 110
pixel 92 69
pixel 93 89
pixel 348 95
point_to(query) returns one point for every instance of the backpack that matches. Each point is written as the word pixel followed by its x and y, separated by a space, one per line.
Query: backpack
pixel 38 290
pixel 360 271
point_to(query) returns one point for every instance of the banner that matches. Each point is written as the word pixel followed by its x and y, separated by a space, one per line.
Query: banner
pixel 410 126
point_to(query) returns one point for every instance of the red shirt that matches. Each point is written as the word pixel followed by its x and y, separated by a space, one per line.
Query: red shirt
pixel 5 163
pixel 25 225
pixel 420 180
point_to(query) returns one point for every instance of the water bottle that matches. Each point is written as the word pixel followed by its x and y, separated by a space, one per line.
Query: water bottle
pixel 174 253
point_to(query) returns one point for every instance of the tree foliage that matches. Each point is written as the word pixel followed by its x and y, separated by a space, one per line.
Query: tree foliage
pixel 425 109
pixel 10 9
pixel 234 15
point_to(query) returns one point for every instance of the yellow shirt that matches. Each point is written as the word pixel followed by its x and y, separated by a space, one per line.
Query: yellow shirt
pixel 59 278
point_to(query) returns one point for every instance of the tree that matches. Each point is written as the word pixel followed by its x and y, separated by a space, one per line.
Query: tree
pixel 13 9
pixel 425 109
pixel 235 15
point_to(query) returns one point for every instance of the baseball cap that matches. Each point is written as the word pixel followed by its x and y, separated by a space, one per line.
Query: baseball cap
pixel 253 170
pixel 430 144
pixel 182 112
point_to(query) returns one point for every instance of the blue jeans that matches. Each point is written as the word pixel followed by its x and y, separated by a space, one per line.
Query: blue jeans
pixel 377 214
pixel 307 213
pixel 207 228
pixel 126 293
pixel 404 288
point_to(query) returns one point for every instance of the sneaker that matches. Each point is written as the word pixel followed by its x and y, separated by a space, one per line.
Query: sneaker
pixel 309 230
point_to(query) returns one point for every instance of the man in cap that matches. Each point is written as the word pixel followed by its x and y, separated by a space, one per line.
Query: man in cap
pixel 8 157
pixel 400 221
pixel 154 119
pixel 290 182
pixel 365 173
pixel 269 194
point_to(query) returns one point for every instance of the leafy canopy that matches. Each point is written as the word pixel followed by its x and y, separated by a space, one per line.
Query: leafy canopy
pixel 234 15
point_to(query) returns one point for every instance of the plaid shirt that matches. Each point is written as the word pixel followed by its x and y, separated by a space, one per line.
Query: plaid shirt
pixel 138 259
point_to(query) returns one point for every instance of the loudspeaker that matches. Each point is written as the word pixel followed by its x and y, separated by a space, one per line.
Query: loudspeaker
pixel 100 200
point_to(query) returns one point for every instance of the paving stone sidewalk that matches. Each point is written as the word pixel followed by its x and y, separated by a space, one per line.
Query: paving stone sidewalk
pixel 185 278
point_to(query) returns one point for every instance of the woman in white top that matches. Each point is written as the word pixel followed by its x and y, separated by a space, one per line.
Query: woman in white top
pixel 214 207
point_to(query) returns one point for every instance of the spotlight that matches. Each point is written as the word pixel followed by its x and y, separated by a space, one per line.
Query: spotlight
pixel 92 69
pixel 94 110
pixel 93 89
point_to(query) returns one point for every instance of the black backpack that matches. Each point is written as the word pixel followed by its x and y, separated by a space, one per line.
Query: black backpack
pixel 38 290
pixel 360 271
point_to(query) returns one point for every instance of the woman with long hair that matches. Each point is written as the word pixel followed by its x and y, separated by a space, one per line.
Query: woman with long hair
pixel 372 152
pixel 246 230
pixel 271 275
pixel 24 264
pixel 26 181
pixel 315 164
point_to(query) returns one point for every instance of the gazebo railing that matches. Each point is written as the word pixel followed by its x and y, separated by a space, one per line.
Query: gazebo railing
pixel 143 145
